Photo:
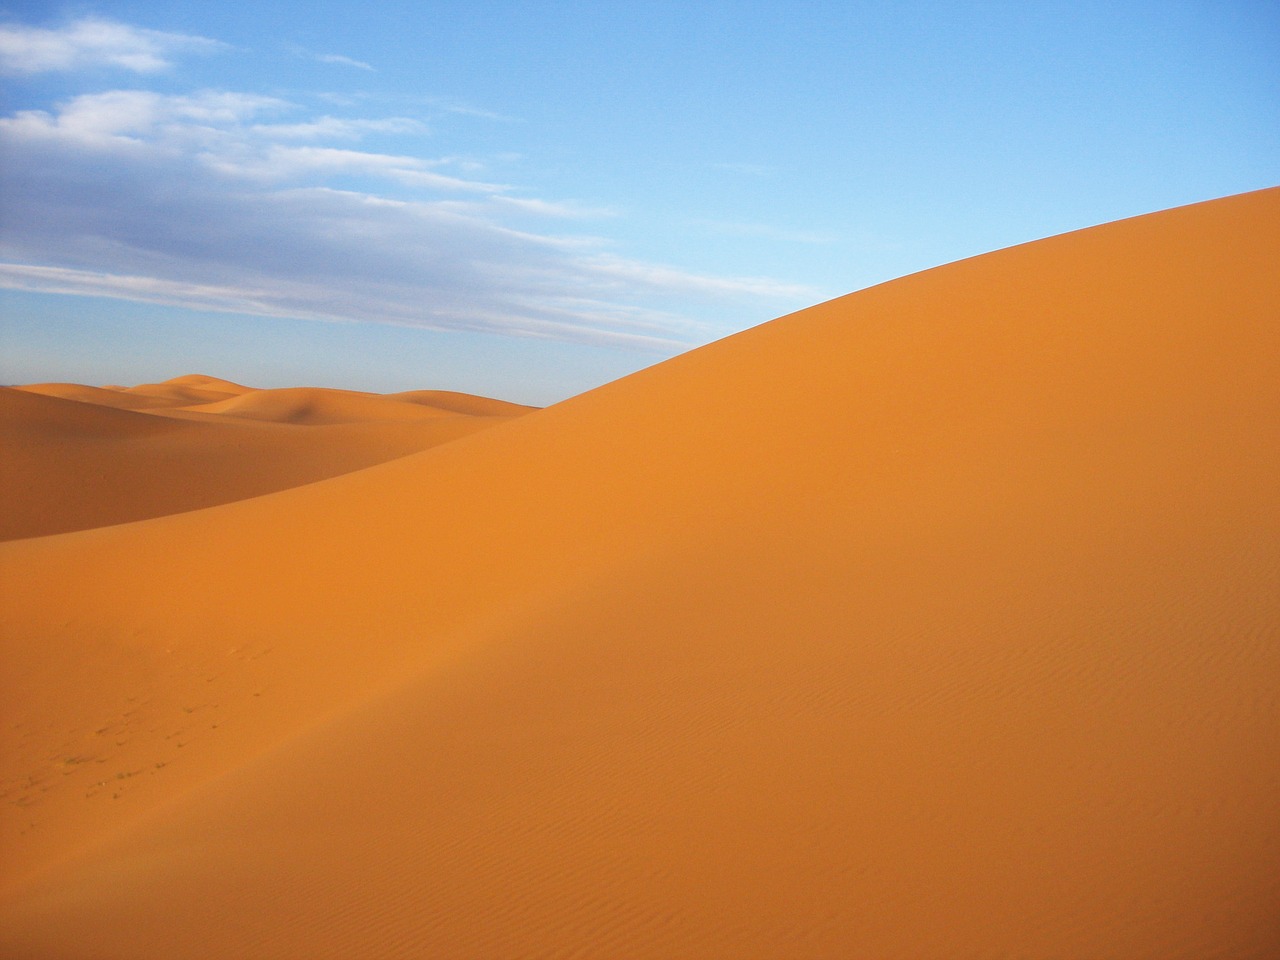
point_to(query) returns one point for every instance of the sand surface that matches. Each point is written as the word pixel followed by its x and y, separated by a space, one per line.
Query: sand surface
pixel 940 620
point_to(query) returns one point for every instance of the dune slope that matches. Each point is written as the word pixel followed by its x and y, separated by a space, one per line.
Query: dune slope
pixel 937 620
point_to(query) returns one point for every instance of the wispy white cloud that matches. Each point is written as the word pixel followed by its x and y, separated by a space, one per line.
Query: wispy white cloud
pixel 93 42
pixel 566 210
pixel 22 276
pixel 221 125
pixel 344 61
pixel 334 58
pixel 461 108
pixel 137 116
pixel 231 201
pixel 276 162
pixel 197 201
pixel 657 277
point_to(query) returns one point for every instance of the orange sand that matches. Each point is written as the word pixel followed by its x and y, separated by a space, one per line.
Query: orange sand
pixel 939 620
pixel 78 457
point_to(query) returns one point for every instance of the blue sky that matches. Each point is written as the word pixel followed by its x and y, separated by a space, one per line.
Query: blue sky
pixel 528 199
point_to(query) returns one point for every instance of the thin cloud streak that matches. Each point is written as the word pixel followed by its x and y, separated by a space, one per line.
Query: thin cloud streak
pixel 340 128
pixel 344 61
pixel 540 321
pixel 458 107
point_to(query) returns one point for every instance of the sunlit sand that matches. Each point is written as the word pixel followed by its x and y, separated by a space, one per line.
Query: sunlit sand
pixel 939 620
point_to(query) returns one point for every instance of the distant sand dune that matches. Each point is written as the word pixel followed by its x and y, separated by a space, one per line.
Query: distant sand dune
pixel 204 382
pixel 308 405
pixel 452 402
pixel 939 620
pixel 79 457
pixel 178 394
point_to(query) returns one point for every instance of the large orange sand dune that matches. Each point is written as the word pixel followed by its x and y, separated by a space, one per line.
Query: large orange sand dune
pixel 940 620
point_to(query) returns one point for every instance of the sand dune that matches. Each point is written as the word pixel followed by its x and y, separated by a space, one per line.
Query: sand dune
pixel 180 391
pixel 467 403
pixel 203 381
pixel 938 620
pixel 78 457
pixel 307 405
pixel 311 406
pixel 177 393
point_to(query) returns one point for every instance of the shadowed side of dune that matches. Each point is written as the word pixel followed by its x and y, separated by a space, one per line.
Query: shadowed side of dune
pixel 937 620
pixel 26 417
pixel 99 396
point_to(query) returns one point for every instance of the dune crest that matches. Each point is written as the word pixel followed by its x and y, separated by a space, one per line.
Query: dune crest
pixel 202 381
pixel 936 620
